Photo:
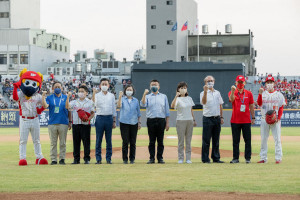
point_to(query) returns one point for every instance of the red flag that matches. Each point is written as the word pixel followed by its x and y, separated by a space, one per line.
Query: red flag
pixel 185 26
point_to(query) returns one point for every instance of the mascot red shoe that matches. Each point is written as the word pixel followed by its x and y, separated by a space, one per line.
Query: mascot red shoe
pixel 30 102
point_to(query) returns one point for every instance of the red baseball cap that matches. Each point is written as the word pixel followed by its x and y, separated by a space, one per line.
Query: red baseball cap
pixel 240 78
pixel 270 78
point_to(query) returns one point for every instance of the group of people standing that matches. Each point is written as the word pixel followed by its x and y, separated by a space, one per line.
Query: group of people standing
pixel 65 115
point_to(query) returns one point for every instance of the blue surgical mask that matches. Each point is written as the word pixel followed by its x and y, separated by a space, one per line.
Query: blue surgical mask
pixel 154 89
pixel 57 90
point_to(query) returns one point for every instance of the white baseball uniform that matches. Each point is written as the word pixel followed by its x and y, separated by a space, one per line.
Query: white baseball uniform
pixel 271 101
pixel 29 122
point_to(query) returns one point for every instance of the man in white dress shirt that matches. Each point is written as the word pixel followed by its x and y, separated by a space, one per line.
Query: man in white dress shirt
pixel 105 119
pixel 212 119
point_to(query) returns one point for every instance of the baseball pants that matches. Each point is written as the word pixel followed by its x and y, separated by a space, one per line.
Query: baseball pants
pixel 276 132
pixel 32 126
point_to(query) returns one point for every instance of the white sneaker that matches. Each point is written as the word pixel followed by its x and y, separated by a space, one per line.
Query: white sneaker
pixel 189 162
pixel 180 161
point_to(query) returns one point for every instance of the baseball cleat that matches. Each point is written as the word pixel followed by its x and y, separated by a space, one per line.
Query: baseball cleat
pixel 278 161
pixel 22 162
pixel 41 161
pixel 262 161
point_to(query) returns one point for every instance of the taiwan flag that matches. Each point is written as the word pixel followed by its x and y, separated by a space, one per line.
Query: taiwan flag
pixel 185 26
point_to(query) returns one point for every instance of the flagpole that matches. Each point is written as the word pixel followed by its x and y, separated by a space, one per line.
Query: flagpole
pixel 198 46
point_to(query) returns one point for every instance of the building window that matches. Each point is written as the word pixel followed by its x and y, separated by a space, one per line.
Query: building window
pixel 60 47
pixel 23 59
pixel 34 40
pixel 169 42
pixel 13 59
pixel 66 49
pixel 153 7
pixel 4 15
pixel 213 44
pixel 3 59
pixel 169 22
pixel 169 3
pixel 55 46
pixel 153 26
pixel 153 46
pixel 220 44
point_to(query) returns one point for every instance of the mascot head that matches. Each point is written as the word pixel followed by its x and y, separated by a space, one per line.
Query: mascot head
pixel 31 82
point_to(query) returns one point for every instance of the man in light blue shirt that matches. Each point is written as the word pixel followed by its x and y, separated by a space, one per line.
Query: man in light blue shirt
pixel 158 113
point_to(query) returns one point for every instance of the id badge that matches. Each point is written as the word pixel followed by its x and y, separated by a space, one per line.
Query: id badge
pixel 243 108
pixel 56 110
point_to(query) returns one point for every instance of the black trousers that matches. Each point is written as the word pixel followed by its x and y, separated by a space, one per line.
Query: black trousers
pixel 82 133
pixel 211 130
pixel 128 133
pixel 236 135
pixel 156 131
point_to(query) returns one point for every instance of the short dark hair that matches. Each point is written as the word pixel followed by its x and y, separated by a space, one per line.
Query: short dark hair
pixel 55 83
pixel 104 79
pixel 127 86
pixel 154 81
pixel 180 85
pixel 84 87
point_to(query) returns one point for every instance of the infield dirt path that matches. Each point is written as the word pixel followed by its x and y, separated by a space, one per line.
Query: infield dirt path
pixel 144 196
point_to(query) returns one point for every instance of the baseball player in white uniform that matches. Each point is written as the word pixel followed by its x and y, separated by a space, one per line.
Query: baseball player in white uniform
pixel 270 99
pixel 30 106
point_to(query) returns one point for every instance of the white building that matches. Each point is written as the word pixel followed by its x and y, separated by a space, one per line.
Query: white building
pixel 32 49
pixel 140 55
pixel 163 44
pixel 20 14
pixel 101 54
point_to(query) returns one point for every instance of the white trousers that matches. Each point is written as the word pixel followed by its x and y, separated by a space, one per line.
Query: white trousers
pixel 276 132
pixel 32 126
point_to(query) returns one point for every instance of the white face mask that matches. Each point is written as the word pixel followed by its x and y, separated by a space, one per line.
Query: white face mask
pixel 210 84
pixel 182 91
pixel 104 88
pixel 81 95
pixel 129 93
pixel 270 86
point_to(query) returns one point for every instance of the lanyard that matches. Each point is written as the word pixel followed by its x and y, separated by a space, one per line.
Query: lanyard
pixel 243 98
pixel 54 100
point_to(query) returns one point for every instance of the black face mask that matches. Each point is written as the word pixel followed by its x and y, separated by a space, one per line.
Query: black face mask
pixel 28 90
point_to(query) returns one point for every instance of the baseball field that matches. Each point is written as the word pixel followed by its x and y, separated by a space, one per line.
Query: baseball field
pixel 142 181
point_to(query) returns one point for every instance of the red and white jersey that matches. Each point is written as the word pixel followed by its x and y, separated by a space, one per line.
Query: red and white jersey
pixel 271 101
pixel 28 107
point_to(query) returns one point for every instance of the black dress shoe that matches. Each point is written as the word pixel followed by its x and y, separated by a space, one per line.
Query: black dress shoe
pixel 75 163
pixel 219 161
pixel 132 162
pixel 98 162
pixel 207 162
pixel 234 161
pixel 161 161
pixel 62 162
pixel 86 162
pixel 151 161
pixel 53 163
pixel 108 162
pixel 125 162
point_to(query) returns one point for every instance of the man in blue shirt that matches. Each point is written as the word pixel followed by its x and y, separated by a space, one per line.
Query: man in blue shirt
pixel 158 113
pixel 58 122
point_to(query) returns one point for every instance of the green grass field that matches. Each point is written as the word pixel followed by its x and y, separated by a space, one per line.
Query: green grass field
pixel 252 178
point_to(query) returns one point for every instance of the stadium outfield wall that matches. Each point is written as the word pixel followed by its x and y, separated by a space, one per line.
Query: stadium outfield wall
pixel 290 118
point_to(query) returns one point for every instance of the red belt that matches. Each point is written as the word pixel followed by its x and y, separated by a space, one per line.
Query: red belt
pixel 28 117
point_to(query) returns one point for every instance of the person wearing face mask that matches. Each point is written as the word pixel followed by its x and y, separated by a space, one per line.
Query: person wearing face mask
pixel 130 122
pixel 270 100
pixel 157 113
pixel 242 104
pixel 59 121
pixel 105 119
pixel 81 128
pixel 212 101
pixel 185 121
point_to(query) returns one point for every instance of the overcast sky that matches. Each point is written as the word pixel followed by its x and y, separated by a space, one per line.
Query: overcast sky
pixel 119 26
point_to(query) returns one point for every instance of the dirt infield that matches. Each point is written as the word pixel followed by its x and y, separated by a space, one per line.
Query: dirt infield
pixel 144 196
pixel 142 153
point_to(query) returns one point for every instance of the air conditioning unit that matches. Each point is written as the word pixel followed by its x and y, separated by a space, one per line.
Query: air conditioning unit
pixel 70 71
pixel 50 70
pixel 11 66
pixel 59 71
